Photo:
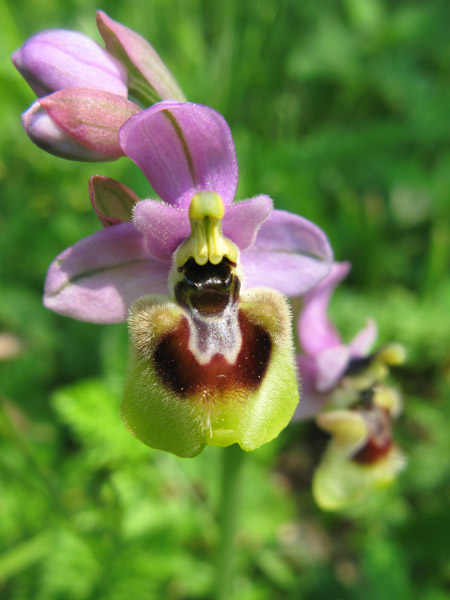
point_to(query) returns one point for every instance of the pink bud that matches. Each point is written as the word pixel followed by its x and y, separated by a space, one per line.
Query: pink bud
pixel 149 80
pixel 47 135
pixel 56 59
pixel 92 117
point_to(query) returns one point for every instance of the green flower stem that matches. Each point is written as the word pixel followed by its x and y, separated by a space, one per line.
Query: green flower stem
pixel 229 501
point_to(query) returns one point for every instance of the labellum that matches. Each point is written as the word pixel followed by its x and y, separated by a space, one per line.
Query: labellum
pixel 212 364
pixel 362 454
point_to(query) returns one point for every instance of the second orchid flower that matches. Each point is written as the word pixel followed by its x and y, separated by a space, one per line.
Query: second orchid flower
pixel 344 388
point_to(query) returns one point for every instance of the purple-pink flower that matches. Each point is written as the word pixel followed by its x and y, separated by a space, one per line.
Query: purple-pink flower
pixel 325 358
pixel 343 387
pixel 183 149
pixel 326 363
pixel 197 275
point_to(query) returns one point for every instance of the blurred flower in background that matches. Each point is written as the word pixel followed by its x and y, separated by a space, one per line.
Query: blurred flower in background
pixel 343 387
pixel 11 346
pixel 362 454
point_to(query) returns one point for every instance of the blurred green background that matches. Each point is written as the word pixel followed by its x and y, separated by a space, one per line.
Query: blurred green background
pixel 339 111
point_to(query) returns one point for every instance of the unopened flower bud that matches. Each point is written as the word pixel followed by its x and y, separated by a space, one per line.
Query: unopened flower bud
pixel 79 123
pixel 44 132
pixel 149 80
pixel 57 59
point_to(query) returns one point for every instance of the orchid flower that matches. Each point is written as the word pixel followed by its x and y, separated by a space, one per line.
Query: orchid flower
pixel 202 280
pixel 83 89
pixel 342 384
pixel 326 364
pixel 362 454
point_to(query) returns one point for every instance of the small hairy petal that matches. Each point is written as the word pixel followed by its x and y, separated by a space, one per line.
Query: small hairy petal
pixel 166 226
pixel 98 278
pixel 92 117
pixel 163 226
pixel 242 221
pixel 290 254
pixel 182 148
pixel 56 59
pixel 149 78
pixel 44 132
pixel 316 332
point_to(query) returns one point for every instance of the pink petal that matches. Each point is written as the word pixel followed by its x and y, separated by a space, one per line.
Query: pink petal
pixel 290 254
pixel 92 117
pixel 165 226
pixel 242 220
pixel 182 148
pixel 98 278
pixel 364 340
pixel 311 401
pixel 145 68
pixel 316 332
pixel 56 59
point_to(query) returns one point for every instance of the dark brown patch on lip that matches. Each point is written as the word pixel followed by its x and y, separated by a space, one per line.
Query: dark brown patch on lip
pixel 372 451
pixel 380 438
pixel 179 370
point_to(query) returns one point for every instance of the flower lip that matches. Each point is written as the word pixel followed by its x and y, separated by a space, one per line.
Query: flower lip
pixel 233 385
pixel 362 453
pixel 148 77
